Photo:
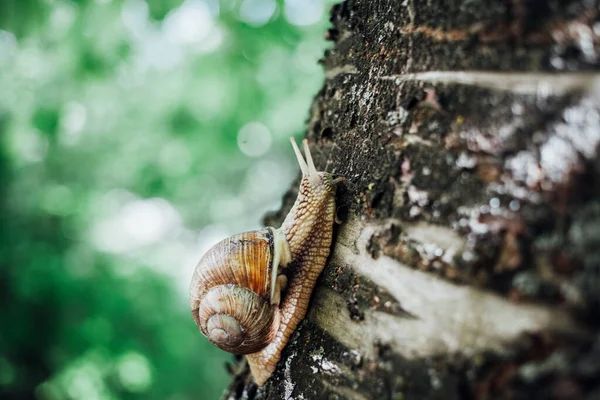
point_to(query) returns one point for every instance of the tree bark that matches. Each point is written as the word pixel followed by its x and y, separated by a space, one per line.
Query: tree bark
pixel 467 261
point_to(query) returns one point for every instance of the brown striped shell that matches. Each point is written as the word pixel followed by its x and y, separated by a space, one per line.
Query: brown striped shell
pixel 230 292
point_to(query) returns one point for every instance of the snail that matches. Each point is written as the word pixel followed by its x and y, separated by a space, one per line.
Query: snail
pixel 249 291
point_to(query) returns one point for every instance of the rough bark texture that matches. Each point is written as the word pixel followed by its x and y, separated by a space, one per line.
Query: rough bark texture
pixel 467 263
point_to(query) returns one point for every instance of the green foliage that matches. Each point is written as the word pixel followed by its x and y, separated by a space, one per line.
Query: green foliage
pixel 132 136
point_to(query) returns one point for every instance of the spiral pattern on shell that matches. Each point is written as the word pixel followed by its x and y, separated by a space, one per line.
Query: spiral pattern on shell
pixel 229 294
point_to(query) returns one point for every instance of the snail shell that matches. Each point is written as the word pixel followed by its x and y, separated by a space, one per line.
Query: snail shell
pixel 233 289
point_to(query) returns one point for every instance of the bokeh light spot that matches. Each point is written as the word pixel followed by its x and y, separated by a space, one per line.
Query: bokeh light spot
pixel 8 46
pixel 257 12
pixel 62 17
pixel 74 116
pixel 137 224
pixel 303 12
pixel 83 380
pixel 134 372
pixel 254 139
pixel 30 146
pixel 188 24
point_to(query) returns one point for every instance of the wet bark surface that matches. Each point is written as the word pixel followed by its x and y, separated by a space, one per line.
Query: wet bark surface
pixel 468 135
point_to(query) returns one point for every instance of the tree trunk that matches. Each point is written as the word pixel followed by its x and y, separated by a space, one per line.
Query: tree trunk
pixel 467 261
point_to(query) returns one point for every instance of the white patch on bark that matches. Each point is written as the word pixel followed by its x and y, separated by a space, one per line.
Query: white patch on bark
pixel 323 364
pixel 440 236
pixel 448 318
pixel 289 386
pixel 537 83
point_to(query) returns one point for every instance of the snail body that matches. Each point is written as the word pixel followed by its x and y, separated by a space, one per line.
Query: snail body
pixel 250 291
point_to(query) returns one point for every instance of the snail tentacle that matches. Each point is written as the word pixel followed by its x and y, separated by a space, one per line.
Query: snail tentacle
pixel 301 162
pixel 312 171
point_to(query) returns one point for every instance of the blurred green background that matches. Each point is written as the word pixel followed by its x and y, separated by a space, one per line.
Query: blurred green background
pixel 134 135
